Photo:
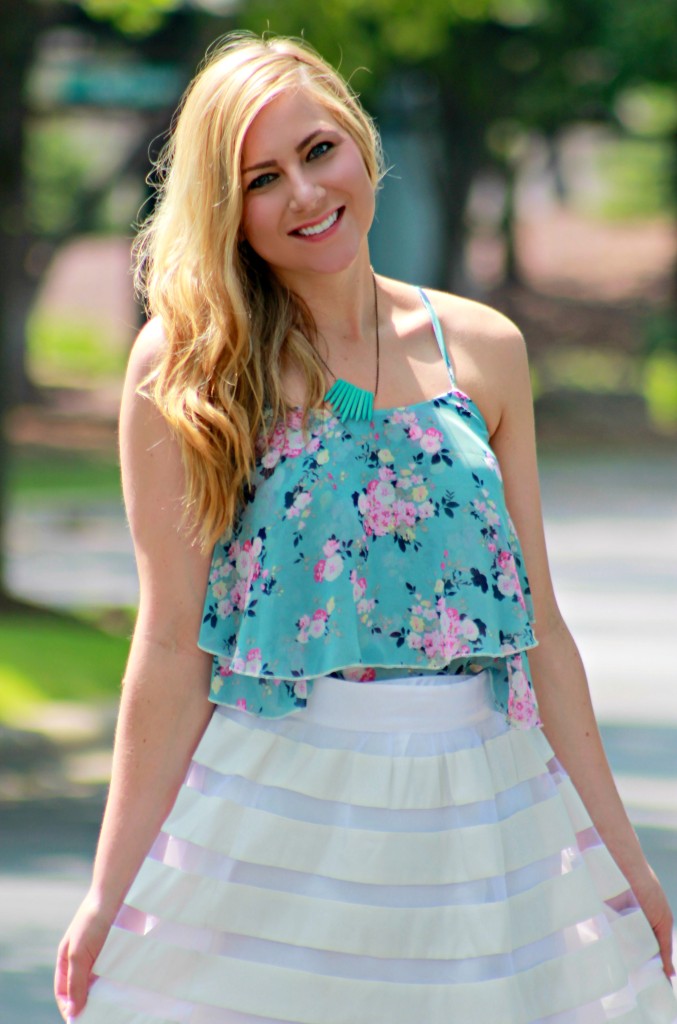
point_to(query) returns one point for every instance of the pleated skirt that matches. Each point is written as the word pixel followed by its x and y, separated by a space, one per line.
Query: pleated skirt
pixel 391 854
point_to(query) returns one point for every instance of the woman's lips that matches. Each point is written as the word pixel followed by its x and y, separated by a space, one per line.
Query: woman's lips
pixel 319 228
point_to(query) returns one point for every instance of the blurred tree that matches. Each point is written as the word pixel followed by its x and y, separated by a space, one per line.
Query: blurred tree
pixel 22 26
pixel 17 40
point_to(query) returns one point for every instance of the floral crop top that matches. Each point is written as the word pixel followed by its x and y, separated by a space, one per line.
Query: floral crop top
pixel 370 550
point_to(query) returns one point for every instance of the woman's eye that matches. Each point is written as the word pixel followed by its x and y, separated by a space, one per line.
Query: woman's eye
pixel 261 181
pixel 320 149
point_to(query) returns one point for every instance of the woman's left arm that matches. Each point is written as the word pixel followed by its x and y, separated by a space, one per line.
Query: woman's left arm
pixel 559 677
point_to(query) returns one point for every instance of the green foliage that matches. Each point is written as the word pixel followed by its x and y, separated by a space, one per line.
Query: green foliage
pixel 41 474
pixel 133 17
pixel 648 109
pixel 56 172
pixel 584 369
pixel 660 333
pixel 660 390
pixel 637 174
pixel 45 659
pixel 63 351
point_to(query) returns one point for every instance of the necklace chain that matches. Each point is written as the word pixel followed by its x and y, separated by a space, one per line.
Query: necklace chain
pixel 347 400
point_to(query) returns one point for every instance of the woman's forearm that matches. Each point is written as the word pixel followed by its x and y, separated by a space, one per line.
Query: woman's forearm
pixel 164 711
pixel 570 726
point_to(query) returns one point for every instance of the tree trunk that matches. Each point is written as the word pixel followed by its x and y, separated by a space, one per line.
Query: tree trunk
pixel 18 33
pixel 462 158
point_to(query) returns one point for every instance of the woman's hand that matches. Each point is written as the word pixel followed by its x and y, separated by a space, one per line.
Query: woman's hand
pixel 653 902
pixel 78 950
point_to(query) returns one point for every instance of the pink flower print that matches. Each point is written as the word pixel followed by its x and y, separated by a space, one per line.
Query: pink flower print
pixel 333 567
pixel 433 645
pixel 405 513
pixel 508 585
pixel 254 661
pixel 505 560
pixel 294 419
pixel 245 555
pixel 469 630
pixel 241 703
pixel 239 594
pixel 387 473
pixel 331 546
pixel 301 688
pixel 359 585
pixel 318 623
pixel 492 462
pixel 492 516
pixel 522 708
pixel 382 521
pixel 313 445
pixel 415 432
pixel 431 442
pixel 414 641
pixel 318 571
pixel 304 626
pixel 406 416
pixel 270 458
pixel 384 492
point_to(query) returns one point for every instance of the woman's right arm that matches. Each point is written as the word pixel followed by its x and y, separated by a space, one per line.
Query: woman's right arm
pixel 164 707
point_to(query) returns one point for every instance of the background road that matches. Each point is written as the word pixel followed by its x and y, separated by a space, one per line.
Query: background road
pixel 612 535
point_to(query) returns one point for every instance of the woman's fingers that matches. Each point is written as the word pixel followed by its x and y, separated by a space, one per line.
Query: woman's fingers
pixel 61 980
pixel 663 933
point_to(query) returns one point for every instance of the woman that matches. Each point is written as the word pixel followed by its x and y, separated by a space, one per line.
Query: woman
pixel 372 826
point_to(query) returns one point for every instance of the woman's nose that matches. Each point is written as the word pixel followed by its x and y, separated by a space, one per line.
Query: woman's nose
pixel 305 194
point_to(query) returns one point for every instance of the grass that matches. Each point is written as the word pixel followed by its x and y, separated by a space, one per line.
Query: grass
pixel 64 352
pixel 52 658
pixel 48 656
pixel 39 473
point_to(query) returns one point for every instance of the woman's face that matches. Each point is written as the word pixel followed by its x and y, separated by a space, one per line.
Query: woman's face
pixel 308 200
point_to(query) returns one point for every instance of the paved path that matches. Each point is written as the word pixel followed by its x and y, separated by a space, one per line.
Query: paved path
pixel 612 535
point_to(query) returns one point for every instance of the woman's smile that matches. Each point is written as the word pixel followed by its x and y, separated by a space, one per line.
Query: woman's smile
pixel 318 230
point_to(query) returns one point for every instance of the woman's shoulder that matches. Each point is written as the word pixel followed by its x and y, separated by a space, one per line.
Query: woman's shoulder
pixel 472 322
pixel 462 319
pixel 149 346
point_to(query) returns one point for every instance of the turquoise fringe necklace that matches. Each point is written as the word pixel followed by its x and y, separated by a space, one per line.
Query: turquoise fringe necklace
pixel 347 400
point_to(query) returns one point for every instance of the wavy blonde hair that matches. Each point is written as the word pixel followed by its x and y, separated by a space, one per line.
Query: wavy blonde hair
pixel 230 324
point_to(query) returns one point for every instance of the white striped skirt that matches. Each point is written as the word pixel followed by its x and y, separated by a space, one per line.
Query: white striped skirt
pixel 391 854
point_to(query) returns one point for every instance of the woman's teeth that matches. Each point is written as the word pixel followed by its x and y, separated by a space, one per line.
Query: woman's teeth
pixel 317 229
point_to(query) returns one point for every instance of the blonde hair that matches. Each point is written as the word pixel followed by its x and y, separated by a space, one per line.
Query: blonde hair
pixel 230 324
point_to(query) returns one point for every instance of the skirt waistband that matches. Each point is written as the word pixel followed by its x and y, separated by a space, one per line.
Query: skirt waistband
pixel 412 704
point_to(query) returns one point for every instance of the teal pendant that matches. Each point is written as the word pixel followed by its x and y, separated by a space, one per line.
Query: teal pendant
pixel 350 402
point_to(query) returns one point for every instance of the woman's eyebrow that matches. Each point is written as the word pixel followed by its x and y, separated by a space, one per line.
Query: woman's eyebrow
pixel 273 163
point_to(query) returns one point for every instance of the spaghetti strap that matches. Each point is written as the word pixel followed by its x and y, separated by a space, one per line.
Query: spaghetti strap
pixel 439 335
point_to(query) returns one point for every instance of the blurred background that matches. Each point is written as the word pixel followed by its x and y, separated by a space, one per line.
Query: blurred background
pixel 532 147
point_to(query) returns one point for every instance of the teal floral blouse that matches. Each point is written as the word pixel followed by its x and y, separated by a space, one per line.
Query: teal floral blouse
pixel 371 550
